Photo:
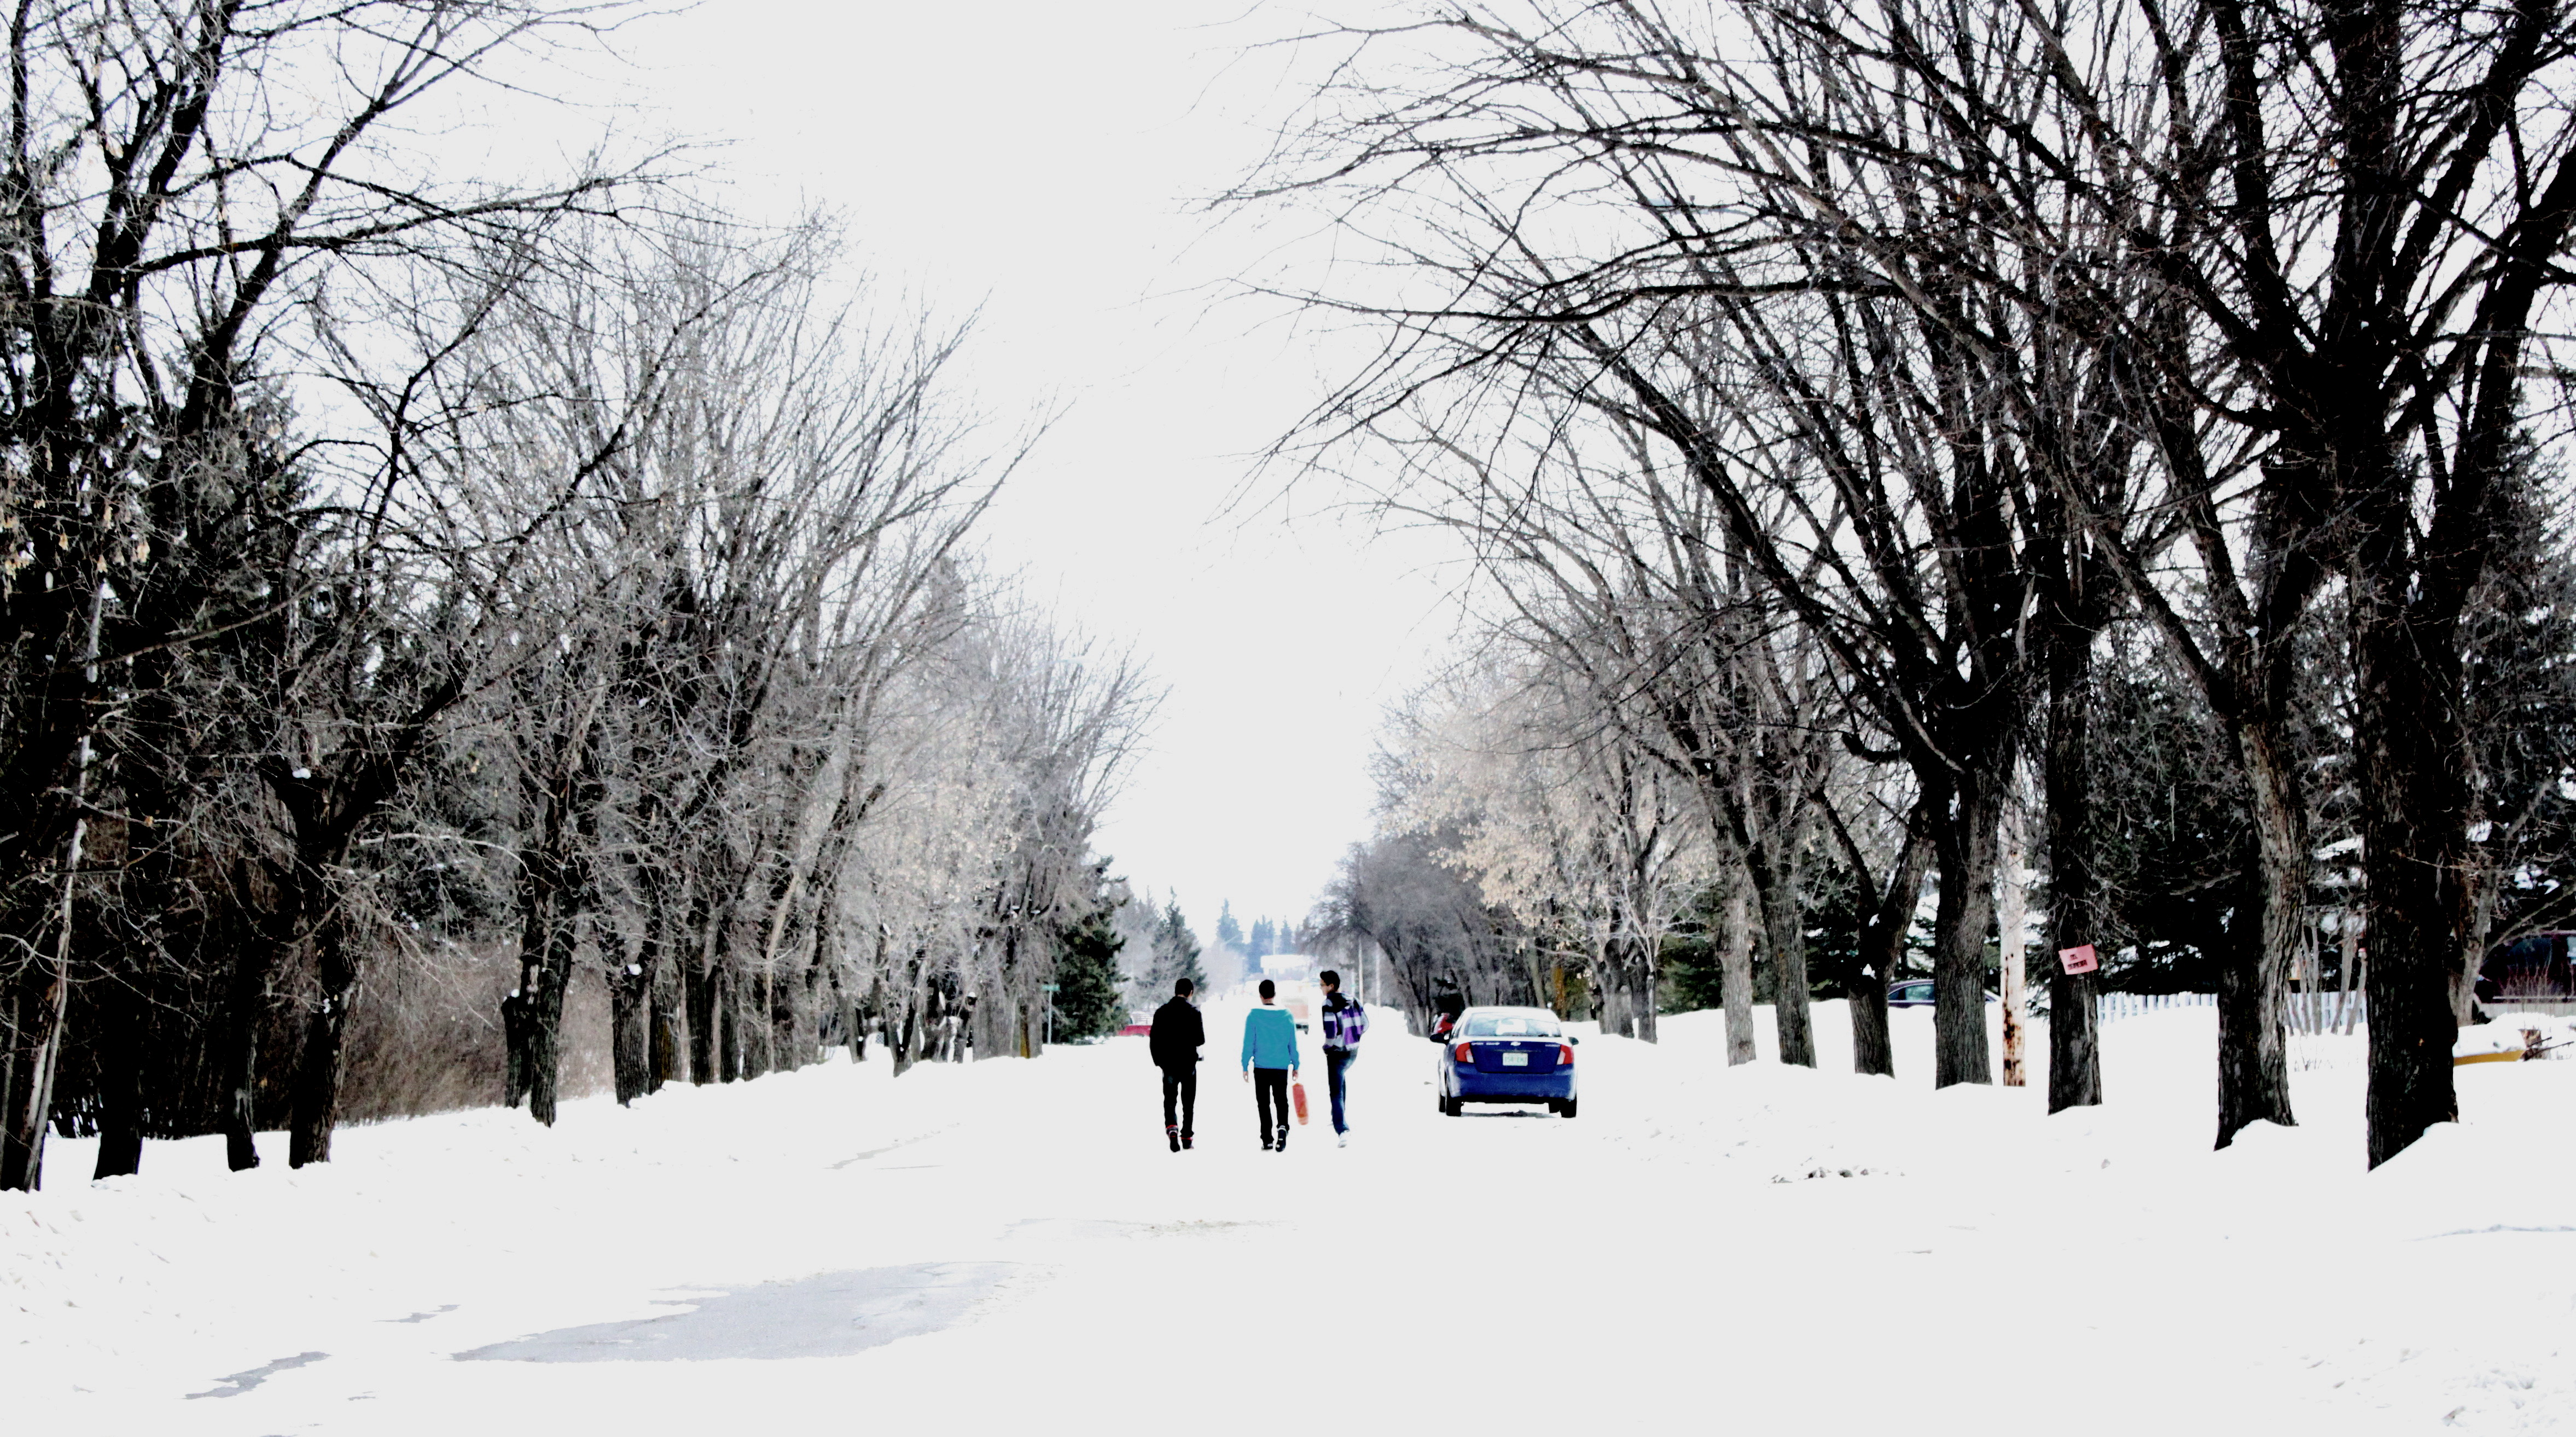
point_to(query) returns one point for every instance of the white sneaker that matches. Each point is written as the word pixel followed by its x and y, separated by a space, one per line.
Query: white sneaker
pixel 1341 1140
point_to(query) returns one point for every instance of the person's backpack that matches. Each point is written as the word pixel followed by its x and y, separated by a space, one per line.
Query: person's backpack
pixel 1352 1020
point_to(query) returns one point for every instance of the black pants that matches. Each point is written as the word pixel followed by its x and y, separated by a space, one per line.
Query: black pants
pixel 1181 1083
pixel 1269 1094
pixel 1335 1060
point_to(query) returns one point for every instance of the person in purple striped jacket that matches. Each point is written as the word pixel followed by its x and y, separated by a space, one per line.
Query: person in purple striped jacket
pixel 1344 1021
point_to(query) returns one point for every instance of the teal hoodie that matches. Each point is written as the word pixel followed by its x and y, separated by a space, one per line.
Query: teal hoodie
pixel 1269 1039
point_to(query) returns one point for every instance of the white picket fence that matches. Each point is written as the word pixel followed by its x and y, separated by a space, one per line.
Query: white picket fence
pixel 2111 1007
pixel 2327 1012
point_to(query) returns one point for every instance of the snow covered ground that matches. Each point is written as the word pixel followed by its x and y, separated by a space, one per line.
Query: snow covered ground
pixel 1750 1250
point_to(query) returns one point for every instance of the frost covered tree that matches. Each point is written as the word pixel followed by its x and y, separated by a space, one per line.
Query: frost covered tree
pixel 1562 820
pixel 461 626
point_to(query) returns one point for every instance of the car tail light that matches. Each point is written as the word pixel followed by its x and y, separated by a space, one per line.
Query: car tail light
pixel 1565 1055
pixel 1466 1053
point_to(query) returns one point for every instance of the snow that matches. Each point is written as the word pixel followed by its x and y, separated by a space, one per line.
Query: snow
pixel 1755 1249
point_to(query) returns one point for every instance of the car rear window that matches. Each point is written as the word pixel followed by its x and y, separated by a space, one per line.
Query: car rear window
pixel 1511 1025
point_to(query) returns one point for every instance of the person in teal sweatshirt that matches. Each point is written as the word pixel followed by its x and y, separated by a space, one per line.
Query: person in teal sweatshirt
pixel 1269 1060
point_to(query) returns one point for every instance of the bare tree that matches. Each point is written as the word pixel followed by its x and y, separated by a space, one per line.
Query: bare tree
pixel 2349 221
pixel 170 229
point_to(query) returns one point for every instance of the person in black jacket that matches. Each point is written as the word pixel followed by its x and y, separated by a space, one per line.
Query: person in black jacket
pixel 1177 1037
pixel 1445 1011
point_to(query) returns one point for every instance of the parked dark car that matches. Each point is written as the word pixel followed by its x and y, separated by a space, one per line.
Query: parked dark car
pixel 1507 1055
pixel 1917 993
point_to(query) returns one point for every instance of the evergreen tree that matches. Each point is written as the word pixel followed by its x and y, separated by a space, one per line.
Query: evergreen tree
pixel 1228 931
pixel 1176 950
pixel 1089 1001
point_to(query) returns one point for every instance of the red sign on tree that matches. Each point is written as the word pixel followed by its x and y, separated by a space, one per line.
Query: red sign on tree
pixel 2079 959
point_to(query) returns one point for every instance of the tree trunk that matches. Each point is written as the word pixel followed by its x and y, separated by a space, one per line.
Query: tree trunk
pixel 157 787
pixel 2011 961
pixel 2414 852
pixel 845 1011
pixel 630 1030
pixel 2481 878
pixel 2253 1045
pixel 237 1050
pixel 792 998
pixel 700 998
pixel 549 978
pixel 728 983
pixel 668 1045
pixel 533 1015
pixel 1648 994
pixel 992 1019
pixel 805 1018
pixel 753 1021
pixel 124 1019
pixel 903 1036
pixel 1784 940
pixel 2074 875
pixel 514 1045
pixel 39 1000
pixel 641 1049
pixel 699 983
pixel 1735 978
pixel 316 1098
pixel 1609 988
pixel 1882 949
pixel 1964 847
pixel 45 998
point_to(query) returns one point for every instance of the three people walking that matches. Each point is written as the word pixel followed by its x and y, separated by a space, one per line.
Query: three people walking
pixel 1176 1038
pixel 1269 1061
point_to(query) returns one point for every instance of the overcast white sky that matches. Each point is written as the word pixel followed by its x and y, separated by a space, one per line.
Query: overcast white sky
pixel 1040 161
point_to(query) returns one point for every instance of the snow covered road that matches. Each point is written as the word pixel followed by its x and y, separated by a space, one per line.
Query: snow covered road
pixel 1006 1246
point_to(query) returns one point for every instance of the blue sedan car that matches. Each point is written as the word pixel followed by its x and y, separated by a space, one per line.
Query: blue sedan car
pixel 1507 1055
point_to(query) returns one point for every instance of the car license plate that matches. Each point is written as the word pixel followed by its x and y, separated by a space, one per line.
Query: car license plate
pixel 1516 1060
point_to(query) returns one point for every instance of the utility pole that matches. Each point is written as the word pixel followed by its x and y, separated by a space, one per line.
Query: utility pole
pixel 2008 925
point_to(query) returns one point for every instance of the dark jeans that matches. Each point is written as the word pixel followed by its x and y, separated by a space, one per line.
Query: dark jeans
pixel 1181 1083
pixel 1270 1094
pixel 1336 1060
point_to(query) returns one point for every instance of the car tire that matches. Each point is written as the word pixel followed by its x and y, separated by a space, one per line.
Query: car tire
pixel 1452 1107
pixel 1565 1109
